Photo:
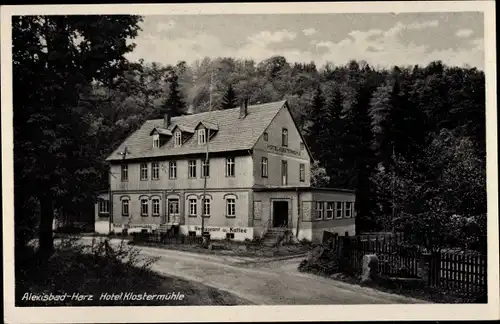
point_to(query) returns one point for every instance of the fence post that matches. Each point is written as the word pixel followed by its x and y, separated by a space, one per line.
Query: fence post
pixel 424 270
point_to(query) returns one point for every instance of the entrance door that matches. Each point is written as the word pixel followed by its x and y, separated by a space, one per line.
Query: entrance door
pixel 173 210
pixel 280 213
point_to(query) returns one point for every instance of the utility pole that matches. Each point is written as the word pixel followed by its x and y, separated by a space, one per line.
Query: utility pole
pixel 206 162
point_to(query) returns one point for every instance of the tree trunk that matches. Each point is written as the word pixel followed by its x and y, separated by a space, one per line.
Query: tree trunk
pixel 46 239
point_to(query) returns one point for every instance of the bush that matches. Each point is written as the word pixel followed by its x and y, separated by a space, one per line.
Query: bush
pixel 140 236
pixel 85 268
pixel 322 259
pixel 257 239
pixel 305 241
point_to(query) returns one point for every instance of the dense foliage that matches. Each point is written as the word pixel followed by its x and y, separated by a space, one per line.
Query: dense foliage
pixel 409 140
pixel 57 150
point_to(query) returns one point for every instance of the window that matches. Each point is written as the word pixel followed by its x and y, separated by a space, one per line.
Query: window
pixel 173 206
pixel 284 137
pixel 144 207
pixel 230 167
pixel 266 137
pixel 284 173
pixel 156 207
pixel 144 171
pixel 231 207
pixel 103 207
pixel 172 169
pixel 202 136
pixel 302 146
pixel 192 169
pixel 264 167
pixel 205 169
pixel 338 209
pixel 192 233
pixel 178 138
pixel 156 140
pixel 206 207
pixel 319 210
pixel 329 210
pixel 155 171
pixel 124 172
pixel 347 209
pixel 302 172
pixel 229 236
pixel 193 207
pixel 125 211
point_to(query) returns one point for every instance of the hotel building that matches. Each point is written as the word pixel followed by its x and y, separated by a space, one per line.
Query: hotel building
pixel 257 178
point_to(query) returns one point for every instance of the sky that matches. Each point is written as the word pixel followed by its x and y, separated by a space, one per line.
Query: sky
pixel 380 39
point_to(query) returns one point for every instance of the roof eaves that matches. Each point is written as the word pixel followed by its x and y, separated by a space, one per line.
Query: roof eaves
pixel 270 121
pixel 300 133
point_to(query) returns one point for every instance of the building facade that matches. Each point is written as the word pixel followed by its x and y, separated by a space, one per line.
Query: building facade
pixel 257 177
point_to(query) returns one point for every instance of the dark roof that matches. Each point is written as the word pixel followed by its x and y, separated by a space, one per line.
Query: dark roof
pixel 161 131
pixel 234 133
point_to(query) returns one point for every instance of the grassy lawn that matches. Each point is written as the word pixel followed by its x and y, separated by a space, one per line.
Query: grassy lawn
pixel 73 273
pixel 241 249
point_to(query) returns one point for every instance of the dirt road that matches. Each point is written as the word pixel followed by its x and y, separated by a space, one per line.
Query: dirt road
pixel 265 283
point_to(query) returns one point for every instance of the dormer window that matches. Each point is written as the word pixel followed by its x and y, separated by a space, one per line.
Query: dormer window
pixel 202 136
pixel 156 140
pixel 178 138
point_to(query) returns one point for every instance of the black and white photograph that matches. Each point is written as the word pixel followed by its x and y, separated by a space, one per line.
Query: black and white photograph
pixel 337 156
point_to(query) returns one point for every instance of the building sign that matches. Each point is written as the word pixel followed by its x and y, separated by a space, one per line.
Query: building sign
pixel 283 150
pixel 135 226
pixel 223 229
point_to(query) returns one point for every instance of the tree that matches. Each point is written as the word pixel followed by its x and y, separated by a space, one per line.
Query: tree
pixel 319 178
pixel 318 134
pixel 229 100
pixel 335 155
pixel 174 104
pixel 58 58
pixel 442 195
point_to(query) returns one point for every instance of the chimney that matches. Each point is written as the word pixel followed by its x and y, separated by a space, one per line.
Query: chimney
pixel 166 121
pixel 244 108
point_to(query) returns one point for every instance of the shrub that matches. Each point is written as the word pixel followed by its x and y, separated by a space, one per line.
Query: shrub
pixel 322 260
pixel 257 239
pixel 305 241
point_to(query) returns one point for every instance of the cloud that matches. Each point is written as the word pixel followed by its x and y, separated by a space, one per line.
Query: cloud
pixel 464 33
pixel 385 48
pixel 267 37
pixel 162 27
pixel 423 25
pixel 375 46
pixel 309 31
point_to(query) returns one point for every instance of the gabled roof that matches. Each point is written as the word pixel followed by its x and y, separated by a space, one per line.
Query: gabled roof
pixel 161 131
pixel 208 125
pixel 184 128
pixel 234 133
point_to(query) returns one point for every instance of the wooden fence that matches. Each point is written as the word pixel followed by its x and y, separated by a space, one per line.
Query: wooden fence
pixel 449 271
pixel 395 260
pixel 460 273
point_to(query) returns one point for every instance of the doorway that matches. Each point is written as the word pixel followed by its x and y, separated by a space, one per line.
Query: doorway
pixel 280 213
pixel 173 210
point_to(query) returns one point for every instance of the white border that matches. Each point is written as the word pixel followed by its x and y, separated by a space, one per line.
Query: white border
pixel 252 313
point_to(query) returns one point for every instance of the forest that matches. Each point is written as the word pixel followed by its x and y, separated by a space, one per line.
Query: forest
pixel 409 140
